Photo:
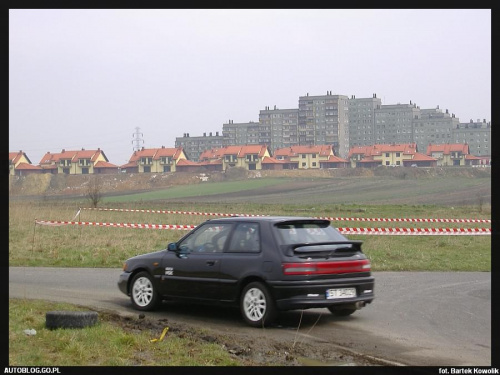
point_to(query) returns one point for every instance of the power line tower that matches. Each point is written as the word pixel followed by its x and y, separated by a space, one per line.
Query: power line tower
pixel 137 139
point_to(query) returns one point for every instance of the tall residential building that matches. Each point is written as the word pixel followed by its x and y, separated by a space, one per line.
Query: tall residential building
pixel 394 123
pixel 282 125
pixel 433 126
pixel 324 120
pixel 476 134
pixel 194 146
pixel 344 123
pixel 245 133
pixel 362 120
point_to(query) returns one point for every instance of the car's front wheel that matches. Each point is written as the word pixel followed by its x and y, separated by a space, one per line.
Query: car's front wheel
pixel 257 305
pixel 143 292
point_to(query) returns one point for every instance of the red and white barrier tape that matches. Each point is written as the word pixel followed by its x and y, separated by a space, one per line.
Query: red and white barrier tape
pixel 116 225
pixel 367 231
pixel 417 231
pixel 172 212
pixel 409 220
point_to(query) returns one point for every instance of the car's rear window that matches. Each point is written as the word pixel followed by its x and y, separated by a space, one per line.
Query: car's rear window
pixel 304 232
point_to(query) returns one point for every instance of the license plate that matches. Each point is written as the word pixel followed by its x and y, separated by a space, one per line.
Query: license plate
pixel 341 293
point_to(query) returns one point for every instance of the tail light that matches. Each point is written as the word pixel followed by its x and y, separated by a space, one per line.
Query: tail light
pixel 326 268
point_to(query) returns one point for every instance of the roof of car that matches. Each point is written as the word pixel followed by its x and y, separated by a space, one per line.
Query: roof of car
pixel 274 219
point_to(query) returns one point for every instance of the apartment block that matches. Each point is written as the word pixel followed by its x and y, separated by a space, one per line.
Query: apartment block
pixel 194 146
pixel 324 120
pixel 362 120
pixel 476 134
pixel 281 125
pixel 433 126
pixel 248 133
pixel 394 123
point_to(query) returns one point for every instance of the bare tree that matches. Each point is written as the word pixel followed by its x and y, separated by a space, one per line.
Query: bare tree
pixel 94 190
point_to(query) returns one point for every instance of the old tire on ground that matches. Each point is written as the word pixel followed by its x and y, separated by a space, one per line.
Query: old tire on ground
pixel 257 305
pixel 70 319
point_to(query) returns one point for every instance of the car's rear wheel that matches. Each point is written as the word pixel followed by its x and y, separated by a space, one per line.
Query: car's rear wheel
pixel 143 292
pixel 342 311
pixel 257 305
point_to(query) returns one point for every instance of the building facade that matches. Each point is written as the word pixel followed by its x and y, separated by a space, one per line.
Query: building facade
pixel 281 125
pixel 389 155
pixel 248 133
pixel 433 126
pixel 75 162
pixel 476 134
pixel 362 120
pixel 394 123
pixel 154 160
pixel 305 157
pixel 324 120
pixel 18 161
pixel 194 146
pixel 452 155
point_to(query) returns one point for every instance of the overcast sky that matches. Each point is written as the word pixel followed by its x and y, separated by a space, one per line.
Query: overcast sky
pixel 86 78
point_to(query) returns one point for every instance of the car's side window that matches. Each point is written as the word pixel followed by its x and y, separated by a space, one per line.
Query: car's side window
pixel 211 238
pixel 246 238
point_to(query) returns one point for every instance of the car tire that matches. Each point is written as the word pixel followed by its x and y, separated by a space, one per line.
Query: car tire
pixel 341 311
pixel 256 305
pixel 70 319
pixel 143 293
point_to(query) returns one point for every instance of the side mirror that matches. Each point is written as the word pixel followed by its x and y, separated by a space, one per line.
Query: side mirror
pixel 172 246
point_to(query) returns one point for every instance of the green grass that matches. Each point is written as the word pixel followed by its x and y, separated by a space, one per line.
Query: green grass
pixel 89 246
pixel 105 344
pixel 206 188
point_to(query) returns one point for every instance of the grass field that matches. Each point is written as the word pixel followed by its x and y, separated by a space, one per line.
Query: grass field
pixel 449 191
pixel 91 246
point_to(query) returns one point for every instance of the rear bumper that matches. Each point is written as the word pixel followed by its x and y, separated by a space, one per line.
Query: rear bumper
pixel 123 282
pixel 312 294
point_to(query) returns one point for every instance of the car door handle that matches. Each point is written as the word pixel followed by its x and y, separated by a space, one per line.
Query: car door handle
pixel 211 262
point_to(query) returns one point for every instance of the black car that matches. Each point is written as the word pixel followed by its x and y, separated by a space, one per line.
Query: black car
pixel 263 264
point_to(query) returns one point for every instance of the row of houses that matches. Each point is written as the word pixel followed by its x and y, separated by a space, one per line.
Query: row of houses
pixel 250 157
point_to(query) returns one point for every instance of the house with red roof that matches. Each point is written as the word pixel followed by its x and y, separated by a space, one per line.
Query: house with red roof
pixel 309 157
pixel 250 157
pixel 452 154
pixel 77 162
pixel 20 164
pixel 393 155
pixel 154 160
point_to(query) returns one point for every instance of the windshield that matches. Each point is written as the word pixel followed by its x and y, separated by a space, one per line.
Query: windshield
pixel 314 232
